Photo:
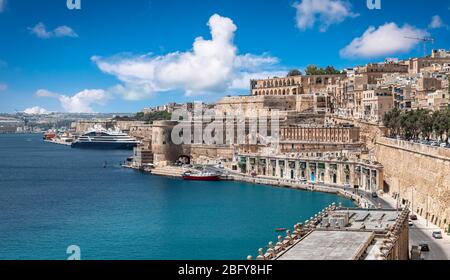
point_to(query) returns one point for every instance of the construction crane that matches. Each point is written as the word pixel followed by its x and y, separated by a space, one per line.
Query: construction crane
pixel 425 41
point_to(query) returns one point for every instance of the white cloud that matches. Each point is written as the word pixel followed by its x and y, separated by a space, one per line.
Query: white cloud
pixel 40 30
pixel 211 66
pixel 436 22
pixel 64 31
pixel 46 93
pixel 81 102
pixel 3 86
pixel 2 5
pixel 36 111
pixel 323 12
pixel 385 40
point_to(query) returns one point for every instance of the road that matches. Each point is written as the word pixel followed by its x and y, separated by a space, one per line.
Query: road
pixel 420 233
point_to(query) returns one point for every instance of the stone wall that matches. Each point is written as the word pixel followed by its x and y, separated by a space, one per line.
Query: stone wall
pixel 210 154
pixel 369 132
pixel 420 174
pixel 141 131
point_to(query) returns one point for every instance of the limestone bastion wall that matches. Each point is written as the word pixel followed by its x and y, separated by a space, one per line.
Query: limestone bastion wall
pixel 421 174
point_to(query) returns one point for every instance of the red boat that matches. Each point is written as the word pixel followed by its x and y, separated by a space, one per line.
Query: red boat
pixel 189 176
pixel 49 135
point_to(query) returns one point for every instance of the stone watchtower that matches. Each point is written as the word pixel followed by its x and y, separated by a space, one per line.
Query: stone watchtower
pixel 164 150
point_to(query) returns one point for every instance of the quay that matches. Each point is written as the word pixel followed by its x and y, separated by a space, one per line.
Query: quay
pixel 228 175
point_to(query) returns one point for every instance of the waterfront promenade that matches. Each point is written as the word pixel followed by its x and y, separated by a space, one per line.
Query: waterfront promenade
pixel 360 198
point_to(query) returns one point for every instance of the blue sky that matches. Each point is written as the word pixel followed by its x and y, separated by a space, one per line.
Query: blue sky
pixel 121 56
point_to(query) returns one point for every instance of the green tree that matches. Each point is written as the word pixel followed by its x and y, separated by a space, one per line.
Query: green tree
pixel 446 123
pixel 439 124
pixel 425 123
pixel 391 121
pixel 417 124
pixel 294 73
pixel 330 70
pixel 448 88
pixel 312 70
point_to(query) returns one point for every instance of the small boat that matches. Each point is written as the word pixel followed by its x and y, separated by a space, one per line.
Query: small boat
pixel 280 229
pixel 201 176
pixel 49 135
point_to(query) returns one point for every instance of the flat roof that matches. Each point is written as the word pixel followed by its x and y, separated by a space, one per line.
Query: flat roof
pixel 375 220
pixel 329 245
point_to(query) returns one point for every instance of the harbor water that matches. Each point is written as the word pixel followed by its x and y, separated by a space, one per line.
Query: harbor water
pixel 53 196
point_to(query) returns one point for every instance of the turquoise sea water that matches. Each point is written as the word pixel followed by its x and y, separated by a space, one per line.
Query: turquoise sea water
pixel 53 196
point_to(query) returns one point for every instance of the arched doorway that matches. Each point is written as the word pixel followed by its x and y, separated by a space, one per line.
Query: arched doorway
pixel 183 159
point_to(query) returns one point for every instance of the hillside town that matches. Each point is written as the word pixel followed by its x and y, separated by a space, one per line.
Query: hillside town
pixel 357 130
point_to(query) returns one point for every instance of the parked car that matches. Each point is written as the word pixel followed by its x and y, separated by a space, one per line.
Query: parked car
pixel 443 145
pixel 410 223
pixel 424 248
pixel 437 234
pixel 374 195
pixel 413 217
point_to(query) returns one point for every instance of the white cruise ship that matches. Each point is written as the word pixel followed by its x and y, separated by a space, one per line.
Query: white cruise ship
pixel 100 138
